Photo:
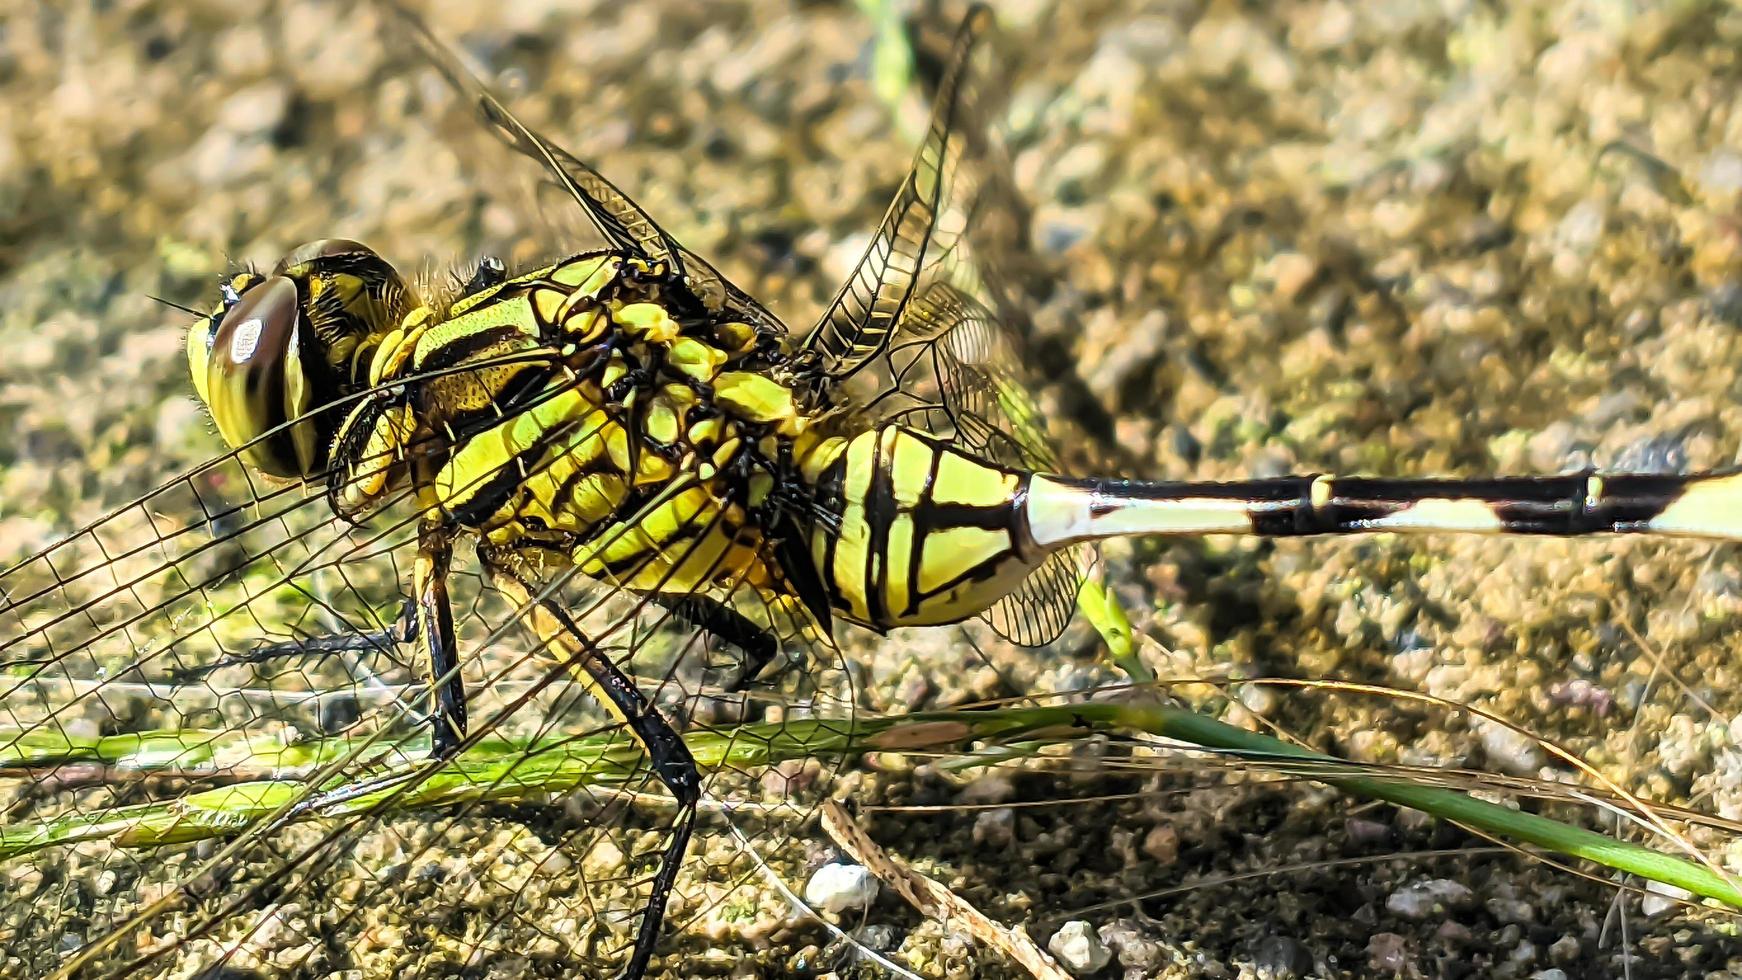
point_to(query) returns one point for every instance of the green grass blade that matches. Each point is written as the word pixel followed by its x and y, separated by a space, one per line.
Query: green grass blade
pixel 503 771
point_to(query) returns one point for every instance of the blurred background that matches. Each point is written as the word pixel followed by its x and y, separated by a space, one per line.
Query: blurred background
pixel 1419 238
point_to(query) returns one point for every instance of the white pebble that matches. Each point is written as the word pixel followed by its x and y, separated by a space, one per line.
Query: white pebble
pixel 1721 174
pixel 837 888
pixel 1078 947
pixel 1510 750
pixel 1581 227
pixel 1661 898
pixel 1421 899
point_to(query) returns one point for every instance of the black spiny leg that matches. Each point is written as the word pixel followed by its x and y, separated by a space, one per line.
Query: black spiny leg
pixel 710 614
pixel 667 754
pixel 403 630
pixel 435 626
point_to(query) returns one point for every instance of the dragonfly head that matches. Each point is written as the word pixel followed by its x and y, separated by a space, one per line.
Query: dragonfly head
pixel 281 348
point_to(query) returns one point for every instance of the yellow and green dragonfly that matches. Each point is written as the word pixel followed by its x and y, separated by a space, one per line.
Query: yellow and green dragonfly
pixel 612 503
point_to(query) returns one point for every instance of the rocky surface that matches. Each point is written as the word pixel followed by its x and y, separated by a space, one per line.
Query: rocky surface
pixel 1424 239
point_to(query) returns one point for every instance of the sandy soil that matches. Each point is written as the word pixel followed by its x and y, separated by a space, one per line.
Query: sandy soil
pixel 1299 237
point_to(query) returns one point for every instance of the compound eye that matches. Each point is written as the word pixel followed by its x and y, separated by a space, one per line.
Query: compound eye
pixel 255 382
pixel 323 248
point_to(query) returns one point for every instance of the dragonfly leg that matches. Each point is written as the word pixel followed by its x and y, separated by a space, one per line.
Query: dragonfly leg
pixel 434 618
pixel 707 613
pixel 667 754
pixel 402 630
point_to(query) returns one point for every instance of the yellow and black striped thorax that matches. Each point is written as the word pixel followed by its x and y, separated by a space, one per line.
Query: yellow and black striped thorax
pixel 546 408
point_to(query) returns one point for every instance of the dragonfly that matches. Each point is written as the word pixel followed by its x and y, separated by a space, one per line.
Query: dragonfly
pixel 672 503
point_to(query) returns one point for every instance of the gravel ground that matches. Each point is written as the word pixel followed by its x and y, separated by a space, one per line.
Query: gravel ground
pixel 1429 239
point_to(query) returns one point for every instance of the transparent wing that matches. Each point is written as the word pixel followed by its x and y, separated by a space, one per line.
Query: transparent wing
pixel 864 317
pixel 927 329
pixel 622 222
pixel 960 378
pixel 178 726
pixel 111 698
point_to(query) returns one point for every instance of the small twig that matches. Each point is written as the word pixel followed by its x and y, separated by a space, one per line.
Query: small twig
pixel 933 899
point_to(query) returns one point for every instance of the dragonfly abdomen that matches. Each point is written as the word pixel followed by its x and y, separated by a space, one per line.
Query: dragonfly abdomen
pixel 923 533
pixel 1065 510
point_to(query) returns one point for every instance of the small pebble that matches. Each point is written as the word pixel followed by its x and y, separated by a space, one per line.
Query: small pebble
pixel 1509 750
pixel 1564 949
pixel 1422 899
pixel 837 888
pixel 1162 844
pixel 994 787
pixel 879 937
pixel 1280 958
pixel 995 827
pixel 1721 174
pixel 1453 933
pixel 1510 910
pixel 1363 831
pixel 1078 948
pixel 1581 227
pixel 1387 952
pixel 1661 899
pixel 1133 945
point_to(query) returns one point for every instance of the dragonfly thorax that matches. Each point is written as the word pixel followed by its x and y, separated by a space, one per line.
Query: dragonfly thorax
pixel 594 408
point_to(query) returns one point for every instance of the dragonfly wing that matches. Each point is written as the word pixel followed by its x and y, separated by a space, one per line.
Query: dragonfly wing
pixel 213 788
pixel 927 330
pixel 623 223
pixel 962 376
pixel 865 315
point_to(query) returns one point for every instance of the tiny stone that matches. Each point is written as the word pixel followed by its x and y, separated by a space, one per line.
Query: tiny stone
pixel 1162 844
pixel 1421 899
pixel 1661 898
pixel 1564 949
pixel 1509 750
pixel 1291 271
pixel 993 787
pixel 544 948
pixel 1452 932
pixel 603 858
pixel 1510 910
pixel 879 937
pixel 956 946
pixel 1581 227
pixel 1260 699
pixel 995 827
pixel 1280 958
pixel 1134 946
pixel 1362 831
pixel 1388 952
pixel 916 689
pixel 1078 947
pixel 839 887
pixel 25 881
pixel 1721 174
